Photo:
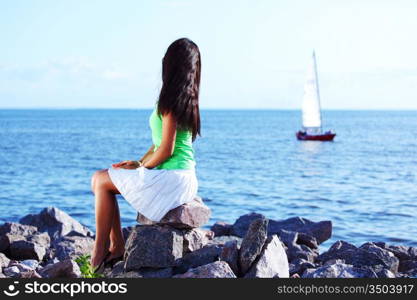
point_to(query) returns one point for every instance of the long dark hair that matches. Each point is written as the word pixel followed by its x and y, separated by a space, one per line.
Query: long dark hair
pixel 181 69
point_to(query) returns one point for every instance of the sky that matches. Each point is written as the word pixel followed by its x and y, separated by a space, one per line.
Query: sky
pixel 255 54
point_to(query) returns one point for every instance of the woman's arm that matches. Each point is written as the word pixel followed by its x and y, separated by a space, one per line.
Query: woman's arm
pixel 133 164
pixel 147 155
pixel 165 150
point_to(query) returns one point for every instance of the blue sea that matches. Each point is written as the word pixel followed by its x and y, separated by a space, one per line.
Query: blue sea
pixel 365 181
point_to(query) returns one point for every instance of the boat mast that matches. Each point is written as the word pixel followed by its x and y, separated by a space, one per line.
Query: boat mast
pixel 317 86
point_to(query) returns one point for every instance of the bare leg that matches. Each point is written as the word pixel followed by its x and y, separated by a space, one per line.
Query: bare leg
pixel 105 202
pixel 117 242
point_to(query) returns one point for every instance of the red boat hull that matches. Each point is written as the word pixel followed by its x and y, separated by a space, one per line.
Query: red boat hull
pixel 319 137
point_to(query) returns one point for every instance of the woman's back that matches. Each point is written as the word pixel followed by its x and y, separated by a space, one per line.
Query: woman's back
pixel 183 155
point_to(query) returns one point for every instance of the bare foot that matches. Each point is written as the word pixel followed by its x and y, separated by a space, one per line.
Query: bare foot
pixel 116 252
pixel 97 257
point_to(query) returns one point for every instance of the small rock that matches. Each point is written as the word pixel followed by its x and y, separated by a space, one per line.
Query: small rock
pixel 4 261
pixel 31 263
pixel 301 251
pixel 252 243
pixel 412 273
pixel 272 262
pixel 221 228
pixel 289 238
pixel 230 254
pixel 70 247
pixel 56 222
pixel 385 273
pixel 24 271
pixel 29 274
pixel 20 266
pixel 117 270
pixel 63 269
pixel 12 271
pixel 308 240
pixel 339 271
pixel 202 256
pixel 196 238
pixel 218 269
pixel 299 265
pixel 49 262
pixel 222 240
pixel 153 246
pixel 147 273
pixel 192 214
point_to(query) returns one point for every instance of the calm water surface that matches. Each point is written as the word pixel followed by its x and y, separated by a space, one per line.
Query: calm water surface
pixel 365 181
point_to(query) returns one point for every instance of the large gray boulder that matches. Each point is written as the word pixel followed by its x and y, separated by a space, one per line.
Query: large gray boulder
pixel 272 262
pixel 252 243
pixel 10 232
pixel 72 246
pixel 153 246
pixel 241 225
pixel 221 228
pixel 230 254
pixel 192 214
pixel 293 249
pixel 368 254
pixel 202 256
pixel 32 247
pixel 218 269
pixel 63 269
pixel 19 241
pixel 321 231
pixel 406 255
pixel 390 261
pixel 340 270
pixel 56 222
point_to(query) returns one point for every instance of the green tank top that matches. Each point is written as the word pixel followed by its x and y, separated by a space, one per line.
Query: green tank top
pixel 183 156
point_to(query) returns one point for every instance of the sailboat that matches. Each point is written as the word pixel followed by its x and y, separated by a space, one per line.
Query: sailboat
pixel 311 111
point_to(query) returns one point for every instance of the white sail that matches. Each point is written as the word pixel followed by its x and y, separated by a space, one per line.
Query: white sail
pixel 311 99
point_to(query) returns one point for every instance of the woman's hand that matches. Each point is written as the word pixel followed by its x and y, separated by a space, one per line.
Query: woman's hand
pixel 127 164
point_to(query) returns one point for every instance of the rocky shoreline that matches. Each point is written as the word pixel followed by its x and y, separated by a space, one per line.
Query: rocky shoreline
pixel 46 245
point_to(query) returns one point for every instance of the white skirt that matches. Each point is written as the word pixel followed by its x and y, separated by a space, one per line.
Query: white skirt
pixel 154 192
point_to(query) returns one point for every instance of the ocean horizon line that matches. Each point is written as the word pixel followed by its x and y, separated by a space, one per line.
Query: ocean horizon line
pixel 209 109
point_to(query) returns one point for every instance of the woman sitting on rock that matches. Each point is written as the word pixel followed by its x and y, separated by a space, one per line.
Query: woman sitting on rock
pixel 164 177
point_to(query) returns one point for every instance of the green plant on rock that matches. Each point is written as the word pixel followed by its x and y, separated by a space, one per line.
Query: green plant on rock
pixel 87 271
